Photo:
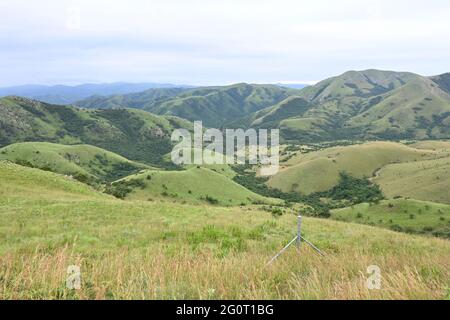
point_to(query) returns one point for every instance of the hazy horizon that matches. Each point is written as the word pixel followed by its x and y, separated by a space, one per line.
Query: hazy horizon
pixel 158 83
pixel 299 82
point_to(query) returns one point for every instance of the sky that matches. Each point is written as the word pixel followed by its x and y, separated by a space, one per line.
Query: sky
pixel 206 42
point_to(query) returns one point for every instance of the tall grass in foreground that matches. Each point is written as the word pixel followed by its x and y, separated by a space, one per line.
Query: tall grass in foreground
pixel 156 274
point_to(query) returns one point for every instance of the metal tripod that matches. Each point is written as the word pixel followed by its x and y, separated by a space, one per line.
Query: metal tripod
pixel 298 238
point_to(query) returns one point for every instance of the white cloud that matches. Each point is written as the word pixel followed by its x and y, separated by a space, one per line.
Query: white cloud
pixel 205 41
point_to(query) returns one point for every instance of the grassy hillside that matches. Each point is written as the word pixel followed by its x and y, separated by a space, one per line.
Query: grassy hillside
pixel 194 185
pixel 319 171
pixel 84 162
pixel 134 134
pixel 215 106
pixel 437 145
pixel 19 184
pixel 418 109
pixel 423 180
pixel 171 251
pixel 362 105
pixel 407 215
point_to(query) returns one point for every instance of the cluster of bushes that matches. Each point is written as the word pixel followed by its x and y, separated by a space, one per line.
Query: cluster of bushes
pixel 210 199
pixel 441 233
pixel 293 148
pixel 83 178
pixel 102 159
pixel 122 188
pixel 354 190
pixel 27 163
pixel 248 179
pixel 275 211
pixel 350 190
pixel 120 170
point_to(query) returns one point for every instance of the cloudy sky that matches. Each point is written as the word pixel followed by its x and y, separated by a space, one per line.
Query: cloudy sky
pixel 218 42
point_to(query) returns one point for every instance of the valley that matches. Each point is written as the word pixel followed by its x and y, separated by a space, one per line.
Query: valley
pixel 365 159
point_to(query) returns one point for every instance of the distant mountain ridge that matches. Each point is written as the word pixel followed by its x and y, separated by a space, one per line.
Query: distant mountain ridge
pixel 62 94
pixel 215 106
pixel 357 105
pixel 368 104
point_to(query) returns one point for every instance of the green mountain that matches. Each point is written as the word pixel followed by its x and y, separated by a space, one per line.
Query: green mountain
pixel 135 134
pixel 368 104
pixel 141 100
pixel 215 106
pixel 84 162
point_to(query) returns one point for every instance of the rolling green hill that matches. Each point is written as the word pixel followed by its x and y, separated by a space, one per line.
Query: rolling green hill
pixel 126 249
pixel 411 216
pixel 194 185
pixel 84 162
pixel 215 106
pixel 423 180
pixel 319 171
pixel 134 134
pixel 366 105
pixel 23 184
